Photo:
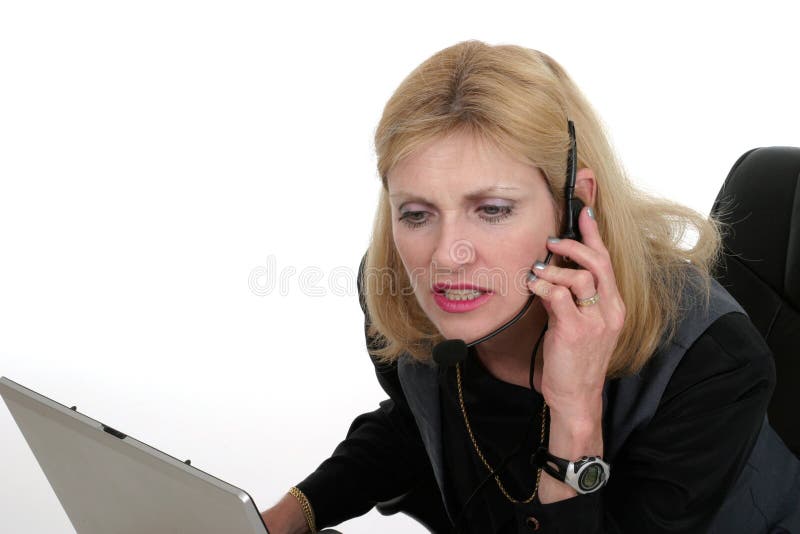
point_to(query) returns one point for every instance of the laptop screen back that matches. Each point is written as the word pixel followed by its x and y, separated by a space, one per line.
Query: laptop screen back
pixel 109 483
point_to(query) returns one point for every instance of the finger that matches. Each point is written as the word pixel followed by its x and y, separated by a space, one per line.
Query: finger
pixel 587 258
pixel 590 230
pixel 557 300
pixel 590 239
pixel 598 262
pixel 580 282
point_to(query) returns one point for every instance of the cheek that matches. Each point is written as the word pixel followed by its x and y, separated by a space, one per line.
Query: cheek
pixel 411 246
pixel 525 238
pixel 405 247
pixel 414 257
pixel 527 244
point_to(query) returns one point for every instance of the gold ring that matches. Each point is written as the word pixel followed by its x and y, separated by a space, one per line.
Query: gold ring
pixel 591 301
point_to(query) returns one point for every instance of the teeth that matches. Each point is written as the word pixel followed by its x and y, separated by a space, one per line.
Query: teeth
pixel 462 294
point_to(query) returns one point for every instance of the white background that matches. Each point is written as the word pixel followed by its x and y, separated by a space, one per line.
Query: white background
pixel 154 154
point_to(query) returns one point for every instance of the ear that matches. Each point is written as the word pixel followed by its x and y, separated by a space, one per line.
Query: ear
pixel 586 186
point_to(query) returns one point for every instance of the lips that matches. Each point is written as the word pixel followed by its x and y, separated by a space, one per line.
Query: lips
pixel 459 305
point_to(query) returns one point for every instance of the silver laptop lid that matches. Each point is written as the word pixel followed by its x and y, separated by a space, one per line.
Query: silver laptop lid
pixel 110 483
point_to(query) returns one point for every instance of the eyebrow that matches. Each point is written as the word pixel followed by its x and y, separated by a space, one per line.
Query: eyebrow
pixel 473 195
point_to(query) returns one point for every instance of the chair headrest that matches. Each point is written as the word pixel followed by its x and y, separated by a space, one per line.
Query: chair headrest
pixel 761 201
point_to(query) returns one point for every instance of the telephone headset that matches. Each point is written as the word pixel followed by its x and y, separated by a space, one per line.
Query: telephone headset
pixel 452 351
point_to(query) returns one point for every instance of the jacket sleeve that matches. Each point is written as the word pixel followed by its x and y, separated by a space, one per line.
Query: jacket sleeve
pixel 377 461
pixel 381 458
pixel 674 476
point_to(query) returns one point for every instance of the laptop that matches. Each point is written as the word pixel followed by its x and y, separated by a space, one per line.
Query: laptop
pixel 111 483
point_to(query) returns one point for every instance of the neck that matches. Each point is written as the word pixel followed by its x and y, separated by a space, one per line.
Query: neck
pixel 507 356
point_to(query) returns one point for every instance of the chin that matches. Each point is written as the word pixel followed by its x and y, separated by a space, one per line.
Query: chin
pixel 459 327
pixel 474 325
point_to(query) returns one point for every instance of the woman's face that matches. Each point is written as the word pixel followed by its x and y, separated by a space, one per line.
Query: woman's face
pixel 468 216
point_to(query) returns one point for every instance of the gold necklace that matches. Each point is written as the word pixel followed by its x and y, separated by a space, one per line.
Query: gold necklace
pixel 480 453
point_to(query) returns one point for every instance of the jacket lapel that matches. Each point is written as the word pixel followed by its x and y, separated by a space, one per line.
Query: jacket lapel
pixel 420 385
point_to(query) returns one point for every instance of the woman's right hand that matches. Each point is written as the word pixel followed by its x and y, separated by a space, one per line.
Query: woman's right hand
pixel 286 517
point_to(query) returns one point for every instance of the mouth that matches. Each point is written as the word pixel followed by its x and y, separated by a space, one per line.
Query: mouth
pixel 459 292
pixel 459 297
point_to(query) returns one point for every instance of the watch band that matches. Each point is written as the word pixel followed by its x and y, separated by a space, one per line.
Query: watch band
pixel 586 475
pixel 552 465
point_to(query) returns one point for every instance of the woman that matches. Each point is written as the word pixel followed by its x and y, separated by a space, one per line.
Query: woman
pixel 631 362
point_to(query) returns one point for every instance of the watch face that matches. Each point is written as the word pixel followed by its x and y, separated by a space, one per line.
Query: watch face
pixel 591 477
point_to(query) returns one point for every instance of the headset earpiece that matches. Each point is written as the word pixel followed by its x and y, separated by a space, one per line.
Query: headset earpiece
pixel 572 205
pixel 575 207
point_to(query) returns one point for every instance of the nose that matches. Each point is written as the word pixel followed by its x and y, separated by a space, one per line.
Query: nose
pixel 454 249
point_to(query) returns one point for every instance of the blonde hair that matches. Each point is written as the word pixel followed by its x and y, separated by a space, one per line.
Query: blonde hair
pixel 521 99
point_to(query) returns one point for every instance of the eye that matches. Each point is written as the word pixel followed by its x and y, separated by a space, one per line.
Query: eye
pixel 414 219
pixel 496 213
pixel 491 213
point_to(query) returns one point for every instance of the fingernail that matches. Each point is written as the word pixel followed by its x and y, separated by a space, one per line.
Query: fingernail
pixel 532 277
pixel 539 265
pixel 590 212
pixel 553 240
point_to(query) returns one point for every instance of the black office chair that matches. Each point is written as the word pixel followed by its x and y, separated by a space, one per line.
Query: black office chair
pixel 761 267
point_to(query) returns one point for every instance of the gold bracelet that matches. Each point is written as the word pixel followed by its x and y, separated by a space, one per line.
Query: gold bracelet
pixel 306 506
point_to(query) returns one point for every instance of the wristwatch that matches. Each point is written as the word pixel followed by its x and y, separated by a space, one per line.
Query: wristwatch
pixel 586 475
